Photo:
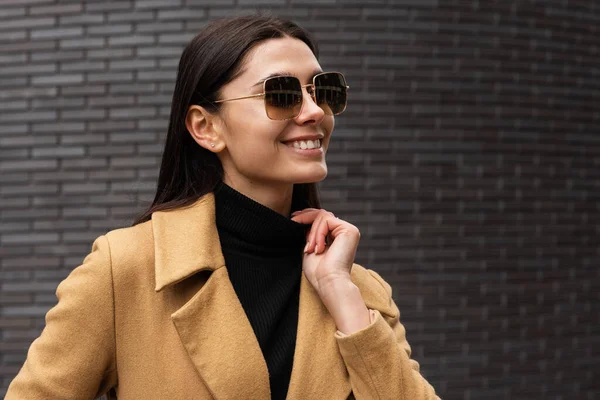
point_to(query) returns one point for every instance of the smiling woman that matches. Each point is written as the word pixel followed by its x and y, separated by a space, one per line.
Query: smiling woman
pixel 234 283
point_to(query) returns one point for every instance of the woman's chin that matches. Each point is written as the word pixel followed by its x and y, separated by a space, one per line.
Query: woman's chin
pixel 313 177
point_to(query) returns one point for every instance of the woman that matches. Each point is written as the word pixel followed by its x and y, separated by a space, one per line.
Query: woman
pixel 235 284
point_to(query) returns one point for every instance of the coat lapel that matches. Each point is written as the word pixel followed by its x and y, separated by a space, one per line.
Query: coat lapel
pixel 220 341
pixel 212 325
pixel 318 367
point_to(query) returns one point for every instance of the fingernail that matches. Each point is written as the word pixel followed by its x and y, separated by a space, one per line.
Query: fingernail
pixel 306 247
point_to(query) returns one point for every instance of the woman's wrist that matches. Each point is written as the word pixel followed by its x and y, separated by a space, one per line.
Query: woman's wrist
pixel 346 306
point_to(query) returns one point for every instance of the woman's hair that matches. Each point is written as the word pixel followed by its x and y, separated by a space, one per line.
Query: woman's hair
pixel 212 59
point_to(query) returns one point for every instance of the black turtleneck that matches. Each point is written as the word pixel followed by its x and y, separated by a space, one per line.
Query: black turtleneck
pixel 263 256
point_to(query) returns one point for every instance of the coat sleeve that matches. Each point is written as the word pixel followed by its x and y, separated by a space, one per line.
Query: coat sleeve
pixel 378 358
pixel 74 357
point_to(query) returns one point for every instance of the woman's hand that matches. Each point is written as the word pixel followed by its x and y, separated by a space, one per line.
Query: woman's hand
pixel 330 249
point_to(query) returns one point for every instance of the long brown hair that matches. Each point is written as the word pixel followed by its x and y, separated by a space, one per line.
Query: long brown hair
pixel 212 59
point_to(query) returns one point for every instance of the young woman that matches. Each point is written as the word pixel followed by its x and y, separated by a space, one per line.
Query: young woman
pixel 235 284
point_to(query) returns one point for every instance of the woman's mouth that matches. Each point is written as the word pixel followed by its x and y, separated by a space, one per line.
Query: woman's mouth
pixel 305 147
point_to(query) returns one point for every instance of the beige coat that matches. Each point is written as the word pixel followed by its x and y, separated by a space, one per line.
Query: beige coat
pixel 152 314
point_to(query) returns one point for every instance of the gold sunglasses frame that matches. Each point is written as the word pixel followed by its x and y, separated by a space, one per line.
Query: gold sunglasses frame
pixel 311 93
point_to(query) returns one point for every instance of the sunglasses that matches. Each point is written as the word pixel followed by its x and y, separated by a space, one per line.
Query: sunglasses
pixel 284 99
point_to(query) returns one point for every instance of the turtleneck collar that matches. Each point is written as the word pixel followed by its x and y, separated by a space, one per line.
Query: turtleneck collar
pixel 247 226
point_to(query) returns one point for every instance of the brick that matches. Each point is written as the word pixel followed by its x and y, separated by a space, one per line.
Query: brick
pixel 83 138
pixel 32 287
pixel 155 27
pixel 110 53
pixel 136 137
pixel 14 177
pixel 86 212
pixel 28 190
pixel 13 154
pixel 23 141
pixel 12 12
pixel 29 238
pixel 30 214
pixel 21 23
pixel 131 40
pixel 27 69
pixel 131 112
pixel 58 152
pixel 60 176
pixel 136 16
pixel 110 77
pixel 107 101
pixel 181 15
pixel 130 162
pixel 22 116
pixel 59 201
pixel 273 3
pixel 132 64
pixel 59 79
pixel 5 204
pixel 153 124
pixel 58 9
pixel 156 76
pixel 84 43
pixel 20 311
pixel 141 4
pixel 76 115
pixel 86 89
pixel 159 51
pixel 12 58
pixel 59 225
pixel 12 82
pixel 112 29
pixel 60 102
pixel 56 33
pixel 110 150
pixel 111 176
pixel 87 163
pixel 83 66
pixel 58 127
pixel 20 47
pixel 155 99
pixel 132 88
pixel 12 36
pixel 108 126
pixel 83 188
pixel 174 38
pixel 78 237
pixel 112 5
pixel 81 19
pixel 13 105
pixel 60 55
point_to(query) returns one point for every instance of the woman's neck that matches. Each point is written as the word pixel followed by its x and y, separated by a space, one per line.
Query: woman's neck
pixel 276 197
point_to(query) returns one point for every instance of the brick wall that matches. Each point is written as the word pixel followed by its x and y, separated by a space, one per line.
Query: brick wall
pixel 469 158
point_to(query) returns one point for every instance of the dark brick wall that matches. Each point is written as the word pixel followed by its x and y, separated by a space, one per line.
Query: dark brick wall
pixel 469 158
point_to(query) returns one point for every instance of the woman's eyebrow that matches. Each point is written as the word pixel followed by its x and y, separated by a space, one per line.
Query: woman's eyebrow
pixel 284 73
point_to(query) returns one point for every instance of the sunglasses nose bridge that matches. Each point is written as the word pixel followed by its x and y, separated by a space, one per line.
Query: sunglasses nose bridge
pixel 310 89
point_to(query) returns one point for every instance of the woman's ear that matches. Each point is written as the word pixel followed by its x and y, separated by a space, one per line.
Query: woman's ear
pixel 204 128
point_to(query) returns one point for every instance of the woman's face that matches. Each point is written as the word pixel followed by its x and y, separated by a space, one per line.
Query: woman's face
pixel 254 151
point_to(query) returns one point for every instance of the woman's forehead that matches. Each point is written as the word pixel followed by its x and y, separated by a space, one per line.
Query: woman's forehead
pixel 280 56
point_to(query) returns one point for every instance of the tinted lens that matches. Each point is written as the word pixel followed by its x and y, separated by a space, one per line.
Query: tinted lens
pixel 283 97
pixel 331 92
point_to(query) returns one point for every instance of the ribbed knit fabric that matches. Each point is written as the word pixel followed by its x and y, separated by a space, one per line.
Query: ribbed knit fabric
pixel 263 256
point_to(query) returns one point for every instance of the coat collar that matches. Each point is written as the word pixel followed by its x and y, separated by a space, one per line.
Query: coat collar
pixel 214 329
pixel 186 241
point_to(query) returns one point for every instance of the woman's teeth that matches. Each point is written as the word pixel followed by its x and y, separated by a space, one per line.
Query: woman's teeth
pixel 307 144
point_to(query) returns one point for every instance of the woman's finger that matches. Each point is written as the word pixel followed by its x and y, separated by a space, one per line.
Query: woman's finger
pixel 312 238
pixel 322 231
pixel 305 216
